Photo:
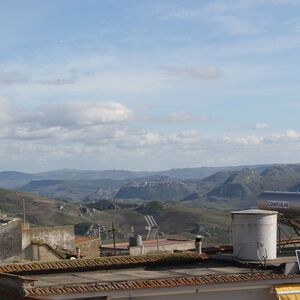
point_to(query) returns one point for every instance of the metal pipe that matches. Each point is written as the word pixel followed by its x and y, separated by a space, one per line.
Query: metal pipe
pixel 114 237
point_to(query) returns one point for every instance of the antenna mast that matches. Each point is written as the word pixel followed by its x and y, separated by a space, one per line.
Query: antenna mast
pixel 152 229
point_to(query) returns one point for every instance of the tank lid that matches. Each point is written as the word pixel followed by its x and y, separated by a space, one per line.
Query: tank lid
pixel 254 212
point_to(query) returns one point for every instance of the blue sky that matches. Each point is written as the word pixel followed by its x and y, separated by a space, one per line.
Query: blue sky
pixel 148 85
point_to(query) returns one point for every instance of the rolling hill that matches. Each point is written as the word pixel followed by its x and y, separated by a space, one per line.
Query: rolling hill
pixel 13 179
pixel 225 184
pixel 163 190
pixel 247 184
pixel 42 211
pixel 242 184
pixel 75 190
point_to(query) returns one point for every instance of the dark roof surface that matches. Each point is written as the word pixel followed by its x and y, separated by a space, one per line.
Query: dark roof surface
pixel 102 263
pixel 109 274
pixel 98 287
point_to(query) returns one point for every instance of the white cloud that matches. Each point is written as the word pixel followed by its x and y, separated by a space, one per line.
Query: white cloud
pixel 98 135
pixel 293 134
pixel 294 25
pixel 56 81
pixel 259 126
pixel 184 117
pixel 232 17
pixel 237 25
pixel 285 136
pixel 246 141
pixel 82 114
pixel 7 111
pixel 185 137
pixel 210 72
pixel 10 78
pixel 65 121
pixel 115 146
pixel 150 138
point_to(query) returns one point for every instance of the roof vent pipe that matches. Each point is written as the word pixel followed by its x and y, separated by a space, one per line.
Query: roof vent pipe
pixel 198 244
pixel 78 253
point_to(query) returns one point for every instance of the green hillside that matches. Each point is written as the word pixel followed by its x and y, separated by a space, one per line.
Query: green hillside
pixel 240 184
pixel 74 190
pixel 42 211
pixel 248 184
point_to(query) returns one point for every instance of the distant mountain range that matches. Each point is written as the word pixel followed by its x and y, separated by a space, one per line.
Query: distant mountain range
pixel 17 179
pixel 13 179
pixel 200 201
pixel 189 184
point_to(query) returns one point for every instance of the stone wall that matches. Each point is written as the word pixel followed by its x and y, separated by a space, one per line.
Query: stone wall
pixel 169 248
pixel 90 248
pixel 10 239
pixel 62 236
pixel 256 292
pixel 36 252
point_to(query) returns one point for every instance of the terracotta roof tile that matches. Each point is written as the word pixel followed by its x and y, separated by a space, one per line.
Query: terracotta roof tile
pixel 102 263
pixel 155 283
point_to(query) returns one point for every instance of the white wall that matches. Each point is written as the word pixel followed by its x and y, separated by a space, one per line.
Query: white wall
pixel 62 236
pixel 251 294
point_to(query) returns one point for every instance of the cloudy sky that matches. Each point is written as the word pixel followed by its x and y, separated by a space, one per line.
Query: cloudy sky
pixel 148 85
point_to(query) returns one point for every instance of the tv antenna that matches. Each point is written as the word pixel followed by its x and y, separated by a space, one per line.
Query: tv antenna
pixel 152 229
pixel 97 229
pixel 25 212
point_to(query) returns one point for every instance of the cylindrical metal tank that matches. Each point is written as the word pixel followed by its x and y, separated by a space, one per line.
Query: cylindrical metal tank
pixel 286 203
pixel 135 240
pixel 254 234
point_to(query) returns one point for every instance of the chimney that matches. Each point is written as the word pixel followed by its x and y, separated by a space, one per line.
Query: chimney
pixel 78 252
pixel 198 244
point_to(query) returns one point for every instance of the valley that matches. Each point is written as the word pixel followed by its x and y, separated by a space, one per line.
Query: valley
pixel 183 206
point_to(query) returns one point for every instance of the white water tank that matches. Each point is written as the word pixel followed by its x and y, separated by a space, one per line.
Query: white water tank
pixel 254 234
pixel 135 240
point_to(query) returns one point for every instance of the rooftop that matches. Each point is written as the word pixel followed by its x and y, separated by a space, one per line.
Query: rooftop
pixel 150 243
pixel 102 263
pixel 109 274
pixel 143 279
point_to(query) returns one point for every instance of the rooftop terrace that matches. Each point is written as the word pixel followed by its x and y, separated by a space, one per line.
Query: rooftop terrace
pixel 129 273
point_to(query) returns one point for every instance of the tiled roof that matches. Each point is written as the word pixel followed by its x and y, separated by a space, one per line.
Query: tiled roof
pixel 102 263
pixel 154 283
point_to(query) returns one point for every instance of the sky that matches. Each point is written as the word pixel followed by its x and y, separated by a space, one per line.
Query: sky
pixel 147 84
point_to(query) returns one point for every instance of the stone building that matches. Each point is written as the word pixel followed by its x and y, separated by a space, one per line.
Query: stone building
pixel 47 243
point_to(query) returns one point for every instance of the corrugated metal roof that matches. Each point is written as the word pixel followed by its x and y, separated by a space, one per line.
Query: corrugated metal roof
pixel 153 283
pixel 102 263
